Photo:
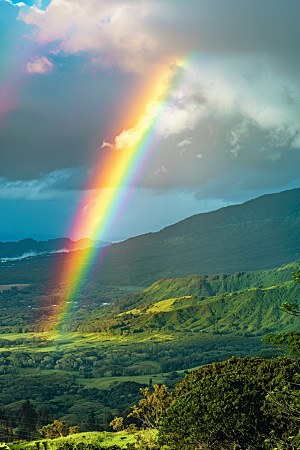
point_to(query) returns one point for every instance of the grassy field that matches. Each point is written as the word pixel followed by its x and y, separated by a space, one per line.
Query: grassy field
pixel 107 382
pixel 74 339
pixel 105 439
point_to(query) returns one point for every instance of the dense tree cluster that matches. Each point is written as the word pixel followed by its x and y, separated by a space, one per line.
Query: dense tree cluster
pixel 117 359
pixel 226 404
pixel 59 397
pixel 223 406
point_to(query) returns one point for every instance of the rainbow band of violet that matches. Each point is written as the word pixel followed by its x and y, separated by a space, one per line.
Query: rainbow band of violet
pixel 98 212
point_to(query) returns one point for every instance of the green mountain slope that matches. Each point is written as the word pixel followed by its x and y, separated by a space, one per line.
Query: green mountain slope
pixel 259 234
pixel 206 286
pixel 235 304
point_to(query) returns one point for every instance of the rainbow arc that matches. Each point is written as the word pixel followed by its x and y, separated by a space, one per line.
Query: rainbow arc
pixel 106 196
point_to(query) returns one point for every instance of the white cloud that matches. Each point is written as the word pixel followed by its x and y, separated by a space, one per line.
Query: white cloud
pixel 20 4
pixel 39 65
pixel 296 141
pixel 187 141
pixel 229 103
pixel 273 156
pixel 106 144
pixel 229 116
pixel 116 29
pixel 39 189
pixel 159 170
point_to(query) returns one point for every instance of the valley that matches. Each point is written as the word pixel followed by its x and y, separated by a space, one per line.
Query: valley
pixel 122 333
pixel 152 336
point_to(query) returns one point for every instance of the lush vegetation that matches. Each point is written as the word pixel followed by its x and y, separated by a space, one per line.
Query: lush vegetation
pixel 239 403
pixel 118 339
pixel 59 396
pixel 225 405
pixel 80 441
pixel 96 369
pixel 29 309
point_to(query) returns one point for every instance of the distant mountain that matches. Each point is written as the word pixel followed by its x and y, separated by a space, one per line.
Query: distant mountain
pixel 259 234
pixel 31 247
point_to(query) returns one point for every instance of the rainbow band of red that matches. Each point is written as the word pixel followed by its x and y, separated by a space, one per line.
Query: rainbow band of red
pixel 106 200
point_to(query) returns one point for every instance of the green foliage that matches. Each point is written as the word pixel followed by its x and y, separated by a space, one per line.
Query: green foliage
pixel 253 310
pixel 74 430
pixel 151 406
pixel 117 424
pixel 147 440
pixel 56 429
pixel 205 286
pixel 291 308
pixel 177 334
pixel 226 405
pixel 287 342
pixel 27 420
pixel 61 397
pixel 173 325
pixel 84 446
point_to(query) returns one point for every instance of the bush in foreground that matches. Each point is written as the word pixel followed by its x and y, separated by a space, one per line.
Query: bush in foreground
pixel 227 405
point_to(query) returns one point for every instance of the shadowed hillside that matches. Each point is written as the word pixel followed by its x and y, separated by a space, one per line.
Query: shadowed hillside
pixel 259 234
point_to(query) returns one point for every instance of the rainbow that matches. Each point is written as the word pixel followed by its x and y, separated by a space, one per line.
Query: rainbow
pixel 105 198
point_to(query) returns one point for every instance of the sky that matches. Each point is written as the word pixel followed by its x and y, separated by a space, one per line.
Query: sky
pixel 76 78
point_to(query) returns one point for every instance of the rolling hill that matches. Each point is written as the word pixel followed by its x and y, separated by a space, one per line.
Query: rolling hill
pixel 242 304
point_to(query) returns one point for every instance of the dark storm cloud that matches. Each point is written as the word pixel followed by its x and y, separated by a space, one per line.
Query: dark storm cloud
pixel 237 98
pixel 36 144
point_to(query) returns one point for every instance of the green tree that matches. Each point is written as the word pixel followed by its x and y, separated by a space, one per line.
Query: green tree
pixel 117 424
pixel 27 421
pixel 149 413
pixel 151 406
pixel 287 342
pixel 56 429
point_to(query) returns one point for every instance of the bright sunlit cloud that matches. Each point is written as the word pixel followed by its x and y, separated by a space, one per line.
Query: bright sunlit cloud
pixel 39 65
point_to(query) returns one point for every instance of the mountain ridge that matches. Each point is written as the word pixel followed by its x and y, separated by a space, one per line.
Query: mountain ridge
pixel 260 234
pixel 190 224
pixel 28 246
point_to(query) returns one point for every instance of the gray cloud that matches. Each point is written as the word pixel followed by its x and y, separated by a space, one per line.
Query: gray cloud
pixel 230 120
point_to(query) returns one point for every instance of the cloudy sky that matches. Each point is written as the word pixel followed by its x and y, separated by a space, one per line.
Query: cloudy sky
pixel 76 76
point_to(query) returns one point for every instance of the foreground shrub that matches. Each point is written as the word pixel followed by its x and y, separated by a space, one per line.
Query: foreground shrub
pixel 227 405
